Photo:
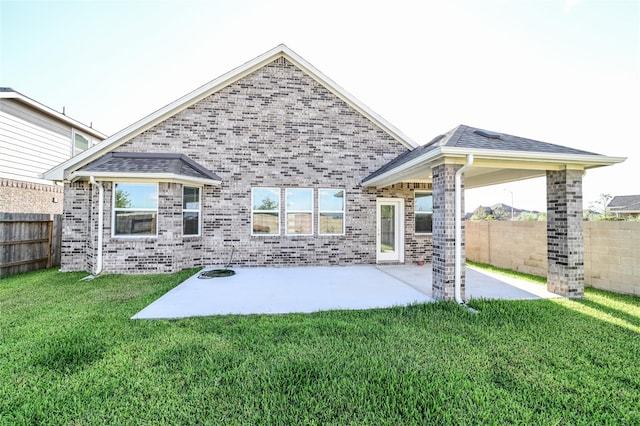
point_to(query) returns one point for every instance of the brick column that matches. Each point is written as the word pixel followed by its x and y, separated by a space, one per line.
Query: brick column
pixel 443 263
pixel 565 238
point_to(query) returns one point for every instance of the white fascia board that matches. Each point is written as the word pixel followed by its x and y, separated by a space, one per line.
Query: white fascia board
pixel 404 168
pixel 57 173
pixel 53 113
pixel 586 160
pixel 143 177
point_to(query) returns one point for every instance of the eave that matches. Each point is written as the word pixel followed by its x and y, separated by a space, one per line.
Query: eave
pixel 141 177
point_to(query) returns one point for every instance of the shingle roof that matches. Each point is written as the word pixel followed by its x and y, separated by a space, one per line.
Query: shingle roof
pixel 622 203
pixel 475 138
pixel 137 162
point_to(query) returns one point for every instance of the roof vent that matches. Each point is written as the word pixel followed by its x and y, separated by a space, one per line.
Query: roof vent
pixel 488 134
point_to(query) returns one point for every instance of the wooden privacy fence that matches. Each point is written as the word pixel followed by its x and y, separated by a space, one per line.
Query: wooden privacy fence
pixel 29 241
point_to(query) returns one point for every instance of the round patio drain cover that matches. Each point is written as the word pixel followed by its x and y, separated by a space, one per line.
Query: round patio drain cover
pixel 217 273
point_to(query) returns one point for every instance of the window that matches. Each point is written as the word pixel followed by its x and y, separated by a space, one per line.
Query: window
pixel 331 211
pixel 190 211
pixel 135 209
pixel 265 211
pixel 424 212
pixel 80 142
pixel 299 214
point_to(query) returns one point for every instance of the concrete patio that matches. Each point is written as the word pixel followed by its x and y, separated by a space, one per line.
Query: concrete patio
pixel 319 288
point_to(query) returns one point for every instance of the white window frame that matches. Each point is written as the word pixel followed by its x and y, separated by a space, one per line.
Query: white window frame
pixel 343 211
pixel 75 132
pixel 198 210
pixel 416 212
pixel 287 211
pixel 114 209
pixel 278 211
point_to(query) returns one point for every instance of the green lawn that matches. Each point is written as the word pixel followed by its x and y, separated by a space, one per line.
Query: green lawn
pixel 70 355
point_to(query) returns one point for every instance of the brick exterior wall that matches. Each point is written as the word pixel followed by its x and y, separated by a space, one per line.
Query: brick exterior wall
pixel 276 127
pixel 18 196
pixel 444 233
pixel 565 237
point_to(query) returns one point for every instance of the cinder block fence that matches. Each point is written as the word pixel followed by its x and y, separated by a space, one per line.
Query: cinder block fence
pixel 611 250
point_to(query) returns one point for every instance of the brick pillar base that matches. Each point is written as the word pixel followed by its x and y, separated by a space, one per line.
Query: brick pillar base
pixel 565 238
pixel 443 264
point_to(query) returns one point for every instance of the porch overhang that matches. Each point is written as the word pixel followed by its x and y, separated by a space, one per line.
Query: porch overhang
pixel 490 167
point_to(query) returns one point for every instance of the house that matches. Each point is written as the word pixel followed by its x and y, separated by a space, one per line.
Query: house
pixel 33 139
pixel 625 206
pixel 276 160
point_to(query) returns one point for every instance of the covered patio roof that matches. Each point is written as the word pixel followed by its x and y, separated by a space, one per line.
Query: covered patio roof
pixel 498 158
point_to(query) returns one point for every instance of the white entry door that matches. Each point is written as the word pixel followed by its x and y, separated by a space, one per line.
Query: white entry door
pixel 390 230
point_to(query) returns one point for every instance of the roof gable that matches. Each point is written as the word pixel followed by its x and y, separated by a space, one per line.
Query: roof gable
pixel 61 171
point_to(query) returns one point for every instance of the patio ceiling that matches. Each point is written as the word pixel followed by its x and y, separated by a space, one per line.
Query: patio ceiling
pixel 498 158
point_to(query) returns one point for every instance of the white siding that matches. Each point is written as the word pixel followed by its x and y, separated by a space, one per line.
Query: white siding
pixel 30 143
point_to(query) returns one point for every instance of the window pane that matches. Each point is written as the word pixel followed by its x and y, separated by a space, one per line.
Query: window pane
pixel 136 196
pixel 424 223
pixel 266 223
pixel 191 198
pixel 388 231
pixel 80 143
pixel 298 223
pixel 331 223
pixel 135 223
pixel 331 199
pixel 191 223
pixel 266 199
pixel 299 199
pixel 424 202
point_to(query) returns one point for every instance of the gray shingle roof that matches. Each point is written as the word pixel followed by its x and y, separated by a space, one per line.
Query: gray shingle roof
pixel 140 162
pixel 622 203
pixel 475 138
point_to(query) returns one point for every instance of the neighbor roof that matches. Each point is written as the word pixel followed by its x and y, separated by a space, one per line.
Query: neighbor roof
pixel 157 166
pixel 9 93
pixel 625 203
pixel 61 171
pixel 504 158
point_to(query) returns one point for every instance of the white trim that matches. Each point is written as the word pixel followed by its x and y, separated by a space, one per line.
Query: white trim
pixel 343 211
pixel 279 211
pixel 399 234
pixel 52 113
pixel 287 211
pixel 58 172
pixel 143 177
pixel 198 210
pixel 113 212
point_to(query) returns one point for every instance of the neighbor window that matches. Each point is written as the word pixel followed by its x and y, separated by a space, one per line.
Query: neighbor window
pixel 265 211
pixel 424 212
pixel 80 142
pixel 135 209
pixel 190 211
pixel 299 213
pixel 330 211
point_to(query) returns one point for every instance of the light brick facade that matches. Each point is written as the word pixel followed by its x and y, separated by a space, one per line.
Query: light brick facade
pixel 276 127
pixel 17 196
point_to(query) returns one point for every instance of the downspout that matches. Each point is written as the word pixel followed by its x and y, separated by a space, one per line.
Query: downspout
pixel 458 230
pixel 98 265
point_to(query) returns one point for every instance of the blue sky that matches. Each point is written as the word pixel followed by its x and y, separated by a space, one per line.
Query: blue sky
pixel 566 72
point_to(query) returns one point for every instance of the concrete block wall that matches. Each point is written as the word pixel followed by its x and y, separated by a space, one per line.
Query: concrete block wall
pixel 18 196
pixel 611 250
pixel 276 127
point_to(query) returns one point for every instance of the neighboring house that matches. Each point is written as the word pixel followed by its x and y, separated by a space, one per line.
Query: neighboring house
pixel 625 206
pixel 33 139
pixel 278 161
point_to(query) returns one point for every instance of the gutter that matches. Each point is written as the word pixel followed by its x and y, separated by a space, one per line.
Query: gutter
pixel 98 265
pixel 458 230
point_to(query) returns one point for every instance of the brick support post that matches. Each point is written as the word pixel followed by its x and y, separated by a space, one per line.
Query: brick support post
pixel 565 238
pixel 444 233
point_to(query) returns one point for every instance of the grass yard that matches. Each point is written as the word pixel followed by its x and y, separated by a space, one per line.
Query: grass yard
pixel 70 355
